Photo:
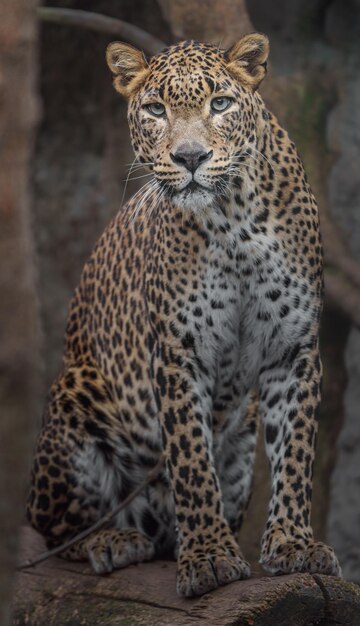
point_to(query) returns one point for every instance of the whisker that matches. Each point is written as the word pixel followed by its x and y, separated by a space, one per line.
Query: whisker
pixel 260 154
pixel 140 166
pixel 138 196
pixel 139 163
pixel 247 165
pixel 152 186
pixel 243 163
pixel 219 44
pixel 127 180
pixel 156 201
pixel 132 163
pixel 142 176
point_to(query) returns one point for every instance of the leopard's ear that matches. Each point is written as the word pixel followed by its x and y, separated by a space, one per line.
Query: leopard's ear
pixel 129 66
pixel 247 59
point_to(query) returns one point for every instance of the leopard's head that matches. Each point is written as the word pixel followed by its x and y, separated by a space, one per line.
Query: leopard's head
pixel 193 111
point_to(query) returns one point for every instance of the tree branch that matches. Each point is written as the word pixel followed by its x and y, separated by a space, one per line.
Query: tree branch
pixel 100 522
pixel 103 24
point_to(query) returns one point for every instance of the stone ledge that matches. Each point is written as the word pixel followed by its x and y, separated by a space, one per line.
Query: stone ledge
pixel 59 593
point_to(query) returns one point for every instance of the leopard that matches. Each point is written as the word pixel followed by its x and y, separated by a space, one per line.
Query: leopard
pixel 196 317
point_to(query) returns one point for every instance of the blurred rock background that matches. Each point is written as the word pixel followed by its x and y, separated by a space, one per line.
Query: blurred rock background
pixel 83 154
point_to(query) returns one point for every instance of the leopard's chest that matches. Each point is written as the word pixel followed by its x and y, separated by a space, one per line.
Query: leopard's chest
pixel 253 310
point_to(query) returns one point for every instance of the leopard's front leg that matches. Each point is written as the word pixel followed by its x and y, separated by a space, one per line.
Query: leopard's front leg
pixel 208 552
pixel 289 404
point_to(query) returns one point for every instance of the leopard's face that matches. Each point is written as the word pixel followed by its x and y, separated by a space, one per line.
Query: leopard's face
pixel 193 111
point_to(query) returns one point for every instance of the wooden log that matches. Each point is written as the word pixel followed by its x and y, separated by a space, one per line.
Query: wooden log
pixel 59 592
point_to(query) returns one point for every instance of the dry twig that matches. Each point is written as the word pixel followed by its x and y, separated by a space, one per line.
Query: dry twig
pixel 103 24
pixel 100 522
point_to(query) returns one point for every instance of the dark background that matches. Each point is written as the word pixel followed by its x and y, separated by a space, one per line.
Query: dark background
pixel 81 157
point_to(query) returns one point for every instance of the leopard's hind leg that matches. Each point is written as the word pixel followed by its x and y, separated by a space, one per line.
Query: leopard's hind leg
pixel 111 548
pixel 85 466
pixel 235 463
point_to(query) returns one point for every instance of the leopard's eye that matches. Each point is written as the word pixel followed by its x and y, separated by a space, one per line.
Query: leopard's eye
pixel 156 108
pixel 218 105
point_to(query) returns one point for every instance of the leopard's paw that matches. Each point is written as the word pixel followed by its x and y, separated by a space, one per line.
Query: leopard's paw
pixel 202 569
pixel 112 549
pixel 289 557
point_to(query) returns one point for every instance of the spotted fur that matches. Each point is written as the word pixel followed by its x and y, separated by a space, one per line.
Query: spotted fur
pixel 198 309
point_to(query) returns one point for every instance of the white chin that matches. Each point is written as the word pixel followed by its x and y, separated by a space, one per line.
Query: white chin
pixel 196 200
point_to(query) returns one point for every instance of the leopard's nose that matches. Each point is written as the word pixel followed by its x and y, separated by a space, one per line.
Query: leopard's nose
pixel 191 155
